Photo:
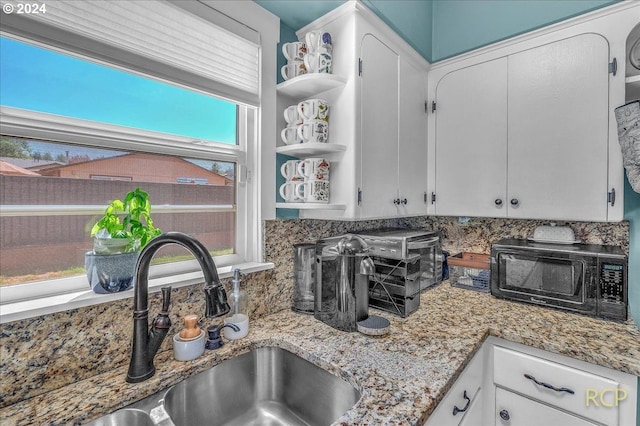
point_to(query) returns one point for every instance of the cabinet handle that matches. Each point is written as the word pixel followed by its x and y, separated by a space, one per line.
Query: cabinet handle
pixel 396 201
pixel 498 202
pixel 404 201
pixel 504 415
pixel 514 202
pixel 547 385
pixel 457 410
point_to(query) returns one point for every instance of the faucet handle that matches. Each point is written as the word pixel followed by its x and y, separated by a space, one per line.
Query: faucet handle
pixel 166 299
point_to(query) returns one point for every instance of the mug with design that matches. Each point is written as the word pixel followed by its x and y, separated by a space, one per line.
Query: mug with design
pixel 315 131
pixel 289 191
pixel 290 135
pixel 313 109
pixel 313 191
pixel 291 116
pixel 318 41
pixel 313 168
pixel 293 69
pixel 294 51
pixel 318 62
pixel 289 170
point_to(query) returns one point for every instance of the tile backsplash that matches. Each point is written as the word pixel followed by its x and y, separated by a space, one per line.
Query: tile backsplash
pixel 50 351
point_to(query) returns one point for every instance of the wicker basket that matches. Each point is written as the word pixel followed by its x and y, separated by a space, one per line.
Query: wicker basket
pixel 470 270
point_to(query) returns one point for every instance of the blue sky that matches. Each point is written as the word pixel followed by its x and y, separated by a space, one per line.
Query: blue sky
pixel 33 78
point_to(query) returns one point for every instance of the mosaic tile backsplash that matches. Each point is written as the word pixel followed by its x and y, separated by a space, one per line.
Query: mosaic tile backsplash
pixel 47 352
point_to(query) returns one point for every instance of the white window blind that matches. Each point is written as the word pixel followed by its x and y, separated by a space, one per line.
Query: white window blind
pixel 184 36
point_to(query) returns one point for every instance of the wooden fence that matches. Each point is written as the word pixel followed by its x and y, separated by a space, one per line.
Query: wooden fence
pixel 38 244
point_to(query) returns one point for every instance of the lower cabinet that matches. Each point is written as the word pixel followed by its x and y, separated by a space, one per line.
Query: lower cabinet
pixel 509 384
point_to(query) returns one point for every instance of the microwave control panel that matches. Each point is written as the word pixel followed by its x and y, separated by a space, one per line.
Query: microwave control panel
pixel 612 282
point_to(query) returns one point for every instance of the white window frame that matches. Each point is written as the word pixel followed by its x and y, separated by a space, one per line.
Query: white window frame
pixel 254 161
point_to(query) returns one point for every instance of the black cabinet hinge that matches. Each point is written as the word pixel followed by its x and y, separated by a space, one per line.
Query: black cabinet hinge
pixel 613 66
pixel 611 197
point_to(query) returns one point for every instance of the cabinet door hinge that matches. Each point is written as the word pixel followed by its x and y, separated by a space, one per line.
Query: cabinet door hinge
pixel 611 197
pixel 613 66
pixel 360 67
pixel 359 196
pixel 433 106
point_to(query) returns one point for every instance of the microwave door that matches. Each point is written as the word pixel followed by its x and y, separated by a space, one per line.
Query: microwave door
pixel 552 278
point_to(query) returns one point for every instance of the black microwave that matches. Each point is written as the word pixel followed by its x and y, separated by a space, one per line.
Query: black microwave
pixel 585 278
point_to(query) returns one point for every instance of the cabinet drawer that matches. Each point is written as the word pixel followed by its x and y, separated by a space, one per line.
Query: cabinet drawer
pixel 469 381
pixel 515 410
pixel 519 372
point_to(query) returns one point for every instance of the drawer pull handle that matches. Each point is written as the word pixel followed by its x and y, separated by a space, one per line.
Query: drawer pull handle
pixel 547 385
pixel 457 410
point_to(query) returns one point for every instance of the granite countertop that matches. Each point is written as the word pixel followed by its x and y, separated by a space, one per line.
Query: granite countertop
pixel 402 376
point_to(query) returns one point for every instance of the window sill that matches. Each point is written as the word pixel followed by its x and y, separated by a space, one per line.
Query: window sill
pixel 30 308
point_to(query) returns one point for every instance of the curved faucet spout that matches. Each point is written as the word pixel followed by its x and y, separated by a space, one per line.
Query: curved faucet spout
pixel 147 342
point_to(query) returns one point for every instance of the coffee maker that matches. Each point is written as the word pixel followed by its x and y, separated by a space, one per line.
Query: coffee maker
pixel 343 267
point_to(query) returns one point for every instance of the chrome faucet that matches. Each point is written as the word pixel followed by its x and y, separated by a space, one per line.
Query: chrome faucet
pixel 146 343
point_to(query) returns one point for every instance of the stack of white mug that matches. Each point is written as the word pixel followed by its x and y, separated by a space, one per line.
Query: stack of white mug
pixel 307 181
pixel 310 56
pixel 307 121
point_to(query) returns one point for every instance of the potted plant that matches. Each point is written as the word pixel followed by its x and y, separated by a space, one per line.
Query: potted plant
pixel 124 229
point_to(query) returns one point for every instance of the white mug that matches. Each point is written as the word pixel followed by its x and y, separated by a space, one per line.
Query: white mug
pixel 293 69
pixel 318 41
pixel 289 191
pixel 289 169
pixel 290 135
pixel 294 51
pixel 318 62
pixel 313 109
pixel 313 191
pixel 291 115
pixel 314 131
pixel 313 168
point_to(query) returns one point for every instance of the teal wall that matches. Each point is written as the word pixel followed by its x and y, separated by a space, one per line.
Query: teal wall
pixel 463 25
pixel 632 214
pixel 411 19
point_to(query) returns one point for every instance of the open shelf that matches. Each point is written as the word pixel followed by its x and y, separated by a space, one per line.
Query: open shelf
pixel 303 150
pixel 310 85
pixel 311 206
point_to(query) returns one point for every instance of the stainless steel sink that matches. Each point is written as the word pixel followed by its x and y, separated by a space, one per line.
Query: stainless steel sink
pixel 267 386
pixel 129 417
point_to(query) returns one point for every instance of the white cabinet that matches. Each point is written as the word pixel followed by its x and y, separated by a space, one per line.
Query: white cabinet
pixel 509 384
pixel 526 135
pixel 379 128
pixel 379 116
pixel 515 410
pixel 462 405
pixel 471 141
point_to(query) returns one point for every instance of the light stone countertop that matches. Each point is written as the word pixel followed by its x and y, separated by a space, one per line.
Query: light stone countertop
pixel 402 376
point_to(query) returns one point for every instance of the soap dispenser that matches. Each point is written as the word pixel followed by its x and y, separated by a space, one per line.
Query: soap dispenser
pixel 239 313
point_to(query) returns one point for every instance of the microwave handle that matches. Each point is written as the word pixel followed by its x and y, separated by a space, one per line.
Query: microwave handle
pixel 413 245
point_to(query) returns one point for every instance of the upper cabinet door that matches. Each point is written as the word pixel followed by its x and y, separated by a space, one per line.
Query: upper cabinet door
pixel 558 130
pixel 471 140
pixel 412 172
pixel 379 128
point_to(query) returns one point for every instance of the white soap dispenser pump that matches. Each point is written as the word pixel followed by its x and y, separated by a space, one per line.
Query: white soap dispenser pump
pixel 239 313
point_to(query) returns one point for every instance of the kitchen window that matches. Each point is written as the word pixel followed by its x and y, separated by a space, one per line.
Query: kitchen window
pixel 87 115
